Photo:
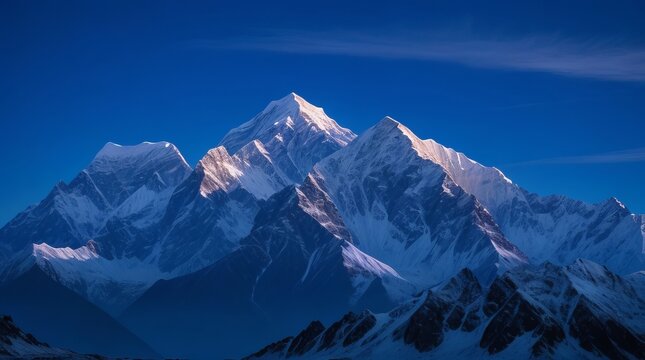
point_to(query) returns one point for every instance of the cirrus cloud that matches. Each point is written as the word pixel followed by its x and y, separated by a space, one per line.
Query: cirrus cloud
pixel 612 157
pixel 589 59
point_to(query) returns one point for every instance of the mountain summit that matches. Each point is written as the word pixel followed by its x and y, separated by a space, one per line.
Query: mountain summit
pixel 405 209
pixel 296 133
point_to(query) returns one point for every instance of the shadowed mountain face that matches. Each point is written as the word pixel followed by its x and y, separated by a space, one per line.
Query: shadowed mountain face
pixel 579 311
pixel 57 315
pixel 296 262
pixel 293 218
pixel 406 210
pixel 17 344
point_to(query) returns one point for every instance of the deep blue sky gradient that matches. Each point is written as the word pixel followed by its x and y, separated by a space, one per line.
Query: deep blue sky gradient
pixel 74 75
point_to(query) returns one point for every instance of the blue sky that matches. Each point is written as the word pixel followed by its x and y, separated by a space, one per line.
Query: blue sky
pixel 551 93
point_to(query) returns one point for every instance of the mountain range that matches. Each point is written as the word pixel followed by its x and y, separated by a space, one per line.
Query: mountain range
pixel 293 218
pixel 581 311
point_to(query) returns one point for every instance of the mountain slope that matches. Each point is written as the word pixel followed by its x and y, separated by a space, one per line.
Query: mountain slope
pixel 547 228
pixel 261 157
pixel 16 344
pixel 214 208
pixel 407 211
pixel 59 316
pixel 124 190
pixel 74 213
pixel 147 218
pixel 292 217
pixel 579 311
pixel 298 260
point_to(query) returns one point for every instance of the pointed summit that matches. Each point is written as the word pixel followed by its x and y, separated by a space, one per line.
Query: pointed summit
pixel 387 142
pixel 294 132
pixel 119 170
pixel 388 121
pixel 395 128
pixel 289 114
pixel 292 100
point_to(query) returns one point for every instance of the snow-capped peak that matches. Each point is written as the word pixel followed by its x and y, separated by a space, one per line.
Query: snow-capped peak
pixel 290 113
pixel 113 150
pixel 467 173
pixel 115 155
pixel 429 149
pixel 118 171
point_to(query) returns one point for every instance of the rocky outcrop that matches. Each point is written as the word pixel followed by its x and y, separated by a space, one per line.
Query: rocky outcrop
pixel 580 311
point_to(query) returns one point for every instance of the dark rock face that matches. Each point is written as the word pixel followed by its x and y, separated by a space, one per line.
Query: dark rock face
pixel 516 317
pixel 455 317
pixel 12 339
pixel 561 311
pixel 425 328
pixel 348 330
pixel 362 328
pixel 337 331
pixel 276 347
pixel 442 311
pixel 497 294
pixel 305 341
pixel 605 337
pixel 9 330
pixel 343 333
pixel 471 322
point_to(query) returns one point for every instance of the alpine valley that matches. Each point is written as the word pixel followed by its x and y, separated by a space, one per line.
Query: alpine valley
pixel 376 246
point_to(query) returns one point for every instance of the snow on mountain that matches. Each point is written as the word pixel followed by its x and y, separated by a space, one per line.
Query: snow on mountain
pixel 254 161
pixel 250 168
pixel 579 311
pixel 292 216
pixel 545 228
pixel 110 284
pixel 206 217
pixel 296 133
pixel 125 188
pixel 404 209
pixel 118 171
pixel 297 261
pixel 146 205
pixel 74 213
pixel 121 199
pixel 143 211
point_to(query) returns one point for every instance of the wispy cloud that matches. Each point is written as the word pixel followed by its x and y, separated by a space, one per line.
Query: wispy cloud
pixel 590 59
pixel 623 156
pixel 535 104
